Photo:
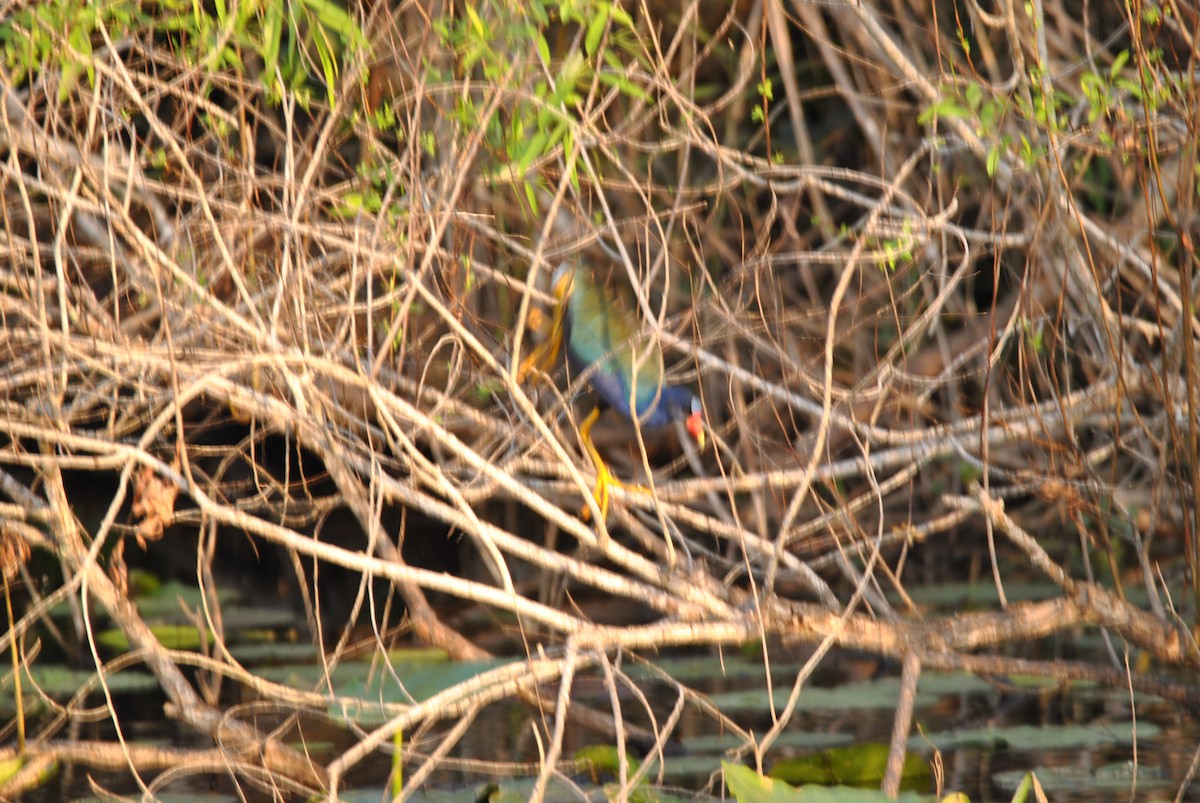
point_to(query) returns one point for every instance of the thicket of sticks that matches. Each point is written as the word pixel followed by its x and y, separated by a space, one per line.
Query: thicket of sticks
pixel 931 267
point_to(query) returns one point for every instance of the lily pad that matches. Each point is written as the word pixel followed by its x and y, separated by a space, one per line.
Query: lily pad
pixel 955 596
pixel 747 786
pixel 711 669
pixel 1040 737
pixel 175 797
pixel 874 694
pixel 62 683
pixel 1102 783
pixel 685 769
pixel 173 637
pixel 856 765
pixel 520 790
pixel 803 740
pixel 274 652
pixel 377 692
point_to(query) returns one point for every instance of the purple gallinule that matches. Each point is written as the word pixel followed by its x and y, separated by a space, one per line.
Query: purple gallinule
pixel 601 343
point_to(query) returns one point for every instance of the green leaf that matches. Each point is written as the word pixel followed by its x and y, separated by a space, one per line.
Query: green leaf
pixel 1118 64
pixel 946 107
pixel 568 77
pixel 534 149
pixel 747 786
pixel 337 19
pixel 572 159
pixel 596 28
pixel 605 758
pixel 626 86
pixel 1132 87
pixel 989 114
pixel 80 39
pixel 328 65
pixel 476 22
pixel 974 95
pixel 531 196
pixel 272 35
pixel 10 767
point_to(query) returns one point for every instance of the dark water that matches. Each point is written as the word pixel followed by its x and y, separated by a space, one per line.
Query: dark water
pixel 845 705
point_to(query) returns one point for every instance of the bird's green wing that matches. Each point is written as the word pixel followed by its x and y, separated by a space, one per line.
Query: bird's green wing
pixel 606 335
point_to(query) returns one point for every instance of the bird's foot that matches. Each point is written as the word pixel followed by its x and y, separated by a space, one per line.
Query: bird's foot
pixel 545 354
pixel 602 492
pixel 536 363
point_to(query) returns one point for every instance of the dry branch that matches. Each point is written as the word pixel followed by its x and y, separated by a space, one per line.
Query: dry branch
pixel 238 314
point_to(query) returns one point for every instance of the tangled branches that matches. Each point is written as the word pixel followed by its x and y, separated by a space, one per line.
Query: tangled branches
pixel 929 312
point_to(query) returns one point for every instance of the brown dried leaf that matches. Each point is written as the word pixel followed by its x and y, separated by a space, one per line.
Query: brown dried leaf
pixel 14 552
pixel 154 502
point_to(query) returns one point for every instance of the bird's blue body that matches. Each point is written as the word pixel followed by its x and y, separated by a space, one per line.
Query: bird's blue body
pixel 600 342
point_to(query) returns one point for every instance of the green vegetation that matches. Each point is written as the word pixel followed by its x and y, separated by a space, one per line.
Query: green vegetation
pixel 272 272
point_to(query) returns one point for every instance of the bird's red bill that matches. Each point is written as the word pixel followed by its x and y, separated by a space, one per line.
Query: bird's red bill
pixel 695 428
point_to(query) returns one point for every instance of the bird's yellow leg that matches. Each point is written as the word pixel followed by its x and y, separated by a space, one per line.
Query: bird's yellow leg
pixel 545 354
pixel 604 478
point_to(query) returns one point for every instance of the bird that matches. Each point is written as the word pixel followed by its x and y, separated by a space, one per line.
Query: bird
pixel 602 342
